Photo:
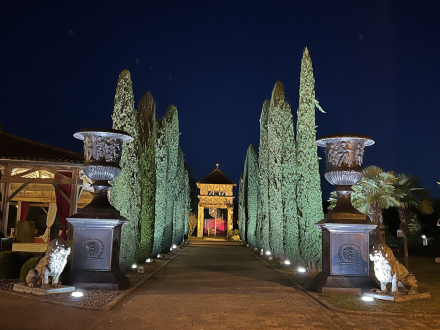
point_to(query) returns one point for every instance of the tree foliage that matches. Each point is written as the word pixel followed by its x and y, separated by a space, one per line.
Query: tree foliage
pixel 308 196
pixel 275 174
pixel 263 207
pixel 290 222
pixel 147 136
pixel 125 195
pixel 252 188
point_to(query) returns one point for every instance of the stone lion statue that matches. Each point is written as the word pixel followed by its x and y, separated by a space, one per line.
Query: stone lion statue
pixel 50 267
pixel 388 270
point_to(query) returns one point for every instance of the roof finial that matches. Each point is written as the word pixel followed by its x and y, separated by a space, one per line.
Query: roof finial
pixel 217 165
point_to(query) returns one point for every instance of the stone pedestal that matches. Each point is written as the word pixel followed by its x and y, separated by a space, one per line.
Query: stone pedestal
pixel 96 244
pixel 345 258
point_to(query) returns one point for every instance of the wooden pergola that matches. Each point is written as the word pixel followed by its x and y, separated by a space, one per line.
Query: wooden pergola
pixel 32 171
pixel 215 193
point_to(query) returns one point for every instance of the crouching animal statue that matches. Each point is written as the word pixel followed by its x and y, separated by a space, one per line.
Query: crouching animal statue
pixel 50 267
pixel 388 270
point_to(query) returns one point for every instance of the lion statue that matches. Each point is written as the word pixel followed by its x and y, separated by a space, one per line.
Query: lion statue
pixel 50 267
pixel 388 270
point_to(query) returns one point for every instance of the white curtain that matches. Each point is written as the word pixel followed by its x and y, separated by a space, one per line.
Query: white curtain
pixel 51 214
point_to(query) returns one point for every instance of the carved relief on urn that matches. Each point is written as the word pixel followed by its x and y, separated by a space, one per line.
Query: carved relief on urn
pixel 102 152
pixel 344 157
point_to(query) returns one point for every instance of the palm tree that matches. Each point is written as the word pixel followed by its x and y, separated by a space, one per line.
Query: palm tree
pixel 411 195
pixel 375 192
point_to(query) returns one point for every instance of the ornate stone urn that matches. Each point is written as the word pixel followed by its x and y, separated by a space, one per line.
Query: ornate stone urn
pixel 345 231
pixel 97 232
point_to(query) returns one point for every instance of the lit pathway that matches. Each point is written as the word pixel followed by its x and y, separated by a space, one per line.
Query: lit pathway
pixel 216 286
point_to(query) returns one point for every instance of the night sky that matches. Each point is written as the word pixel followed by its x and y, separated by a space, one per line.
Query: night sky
pixel 376 66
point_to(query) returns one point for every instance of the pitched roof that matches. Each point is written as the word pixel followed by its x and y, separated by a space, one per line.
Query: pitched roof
pixel 217 177
pixel 13 147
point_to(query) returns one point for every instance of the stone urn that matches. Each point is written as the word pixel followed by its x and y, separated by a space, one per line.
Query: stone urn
pixel 97 227
pixel 345 231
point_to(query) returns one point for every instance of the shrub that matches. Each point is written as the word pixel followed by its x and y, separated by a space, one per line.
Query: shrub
pixel 11 263
pixel 27 266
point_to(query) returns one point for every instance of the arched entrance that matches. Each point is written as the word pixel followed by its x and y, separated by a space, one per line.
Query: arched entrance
pixel 215 194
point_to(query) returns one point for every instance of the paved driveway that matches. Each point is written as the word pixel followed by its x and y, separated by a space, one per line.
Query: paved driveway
pixel 211 285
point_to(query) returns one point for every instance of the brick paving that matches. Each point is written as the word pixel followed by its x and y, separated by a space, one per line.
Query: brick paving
pixel 211 285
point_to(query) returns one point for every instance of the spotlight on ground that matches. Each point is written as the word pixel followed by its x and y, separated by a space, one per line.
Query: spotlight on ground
pixel 287 262
pixel 366 298
pixel 134 266
pixel 268 253
pixel 148 261
pixel 77 294
pixel 174 246
pixel 301 270
pixel 159 256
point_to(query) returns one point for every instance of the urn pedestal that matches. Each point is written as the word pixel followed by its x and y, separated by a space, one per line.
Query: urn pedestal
pixel 97 227
pixel 345 231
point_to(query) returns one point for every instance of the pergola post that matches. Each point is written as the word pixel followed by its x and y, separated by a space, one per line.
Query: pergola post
pixel 200 223
pixel 5 199
pixel 230 217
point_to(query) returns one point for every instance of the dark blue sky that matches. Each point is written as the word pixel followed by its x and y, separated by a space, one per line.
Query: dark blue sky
pixel 376 65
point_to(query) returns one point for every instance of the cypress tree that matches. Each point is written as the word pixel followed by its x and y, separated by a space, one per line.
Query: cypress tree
pixel 187 204
pixel 290 229
pixel 180 201
pixel 172 142
pixel 125 195
pixel 161 186
pixel 147 138
pixel 275 153
pixel 241 207
pixel 263 205
pixel 309 196
pixel 253 187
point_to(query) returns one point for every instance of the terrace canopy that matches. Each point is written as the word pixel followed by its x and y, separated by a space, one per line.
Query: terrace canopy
pixel 37 174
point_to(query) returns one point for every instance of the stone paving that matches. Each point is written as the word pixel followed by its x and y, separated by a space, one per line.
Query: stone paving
pixel 211 285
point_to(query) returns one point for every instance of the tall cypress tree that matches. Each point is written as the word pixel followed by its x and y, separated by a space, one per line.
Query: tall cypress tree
pixel 172 141
pixel 180 201
pixel 125 195
pixel 275 173
pixel 309 196
pixel 253 188
pixel 147 138
pixel 263 205
pixel 290 230
pixel 241 206
pixel 161 186
pixel 187 203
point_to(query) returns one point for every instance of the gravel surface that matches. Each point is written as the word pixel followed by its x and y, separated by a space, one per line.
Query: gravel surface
pixel 93 298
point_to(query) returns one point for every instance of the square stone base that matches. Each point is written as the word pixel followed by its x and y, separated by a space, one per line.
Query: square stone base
pixel 399 297
pixel 21 287
pixel 339 284
pixel 101 280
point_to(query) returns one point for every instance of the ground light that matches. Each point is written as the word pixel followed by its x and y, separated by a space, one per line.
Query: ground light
pixel 134 266
pixel 366 298
pixel 148 261
pixel 301 270
pixel 77 294
pixel 268 253
pixel 287 262
pixel 174 246
pixel 159 256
